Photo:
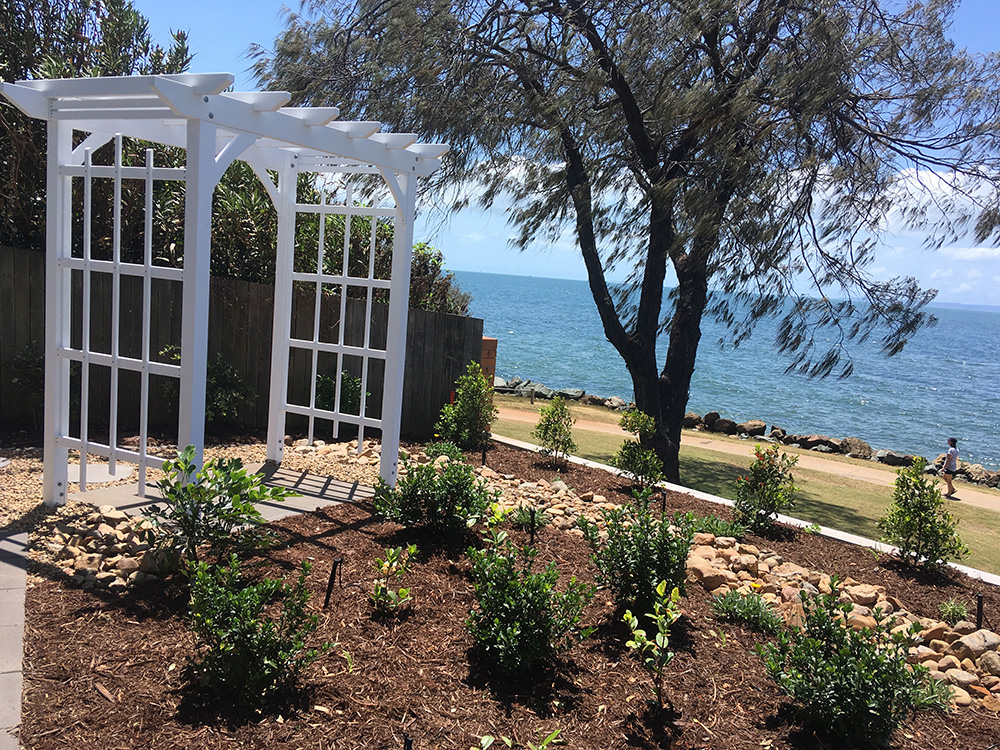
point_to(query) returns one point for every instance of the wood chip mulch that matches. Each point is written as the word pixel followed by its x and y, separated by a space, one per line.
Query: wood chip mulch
pixel 102 672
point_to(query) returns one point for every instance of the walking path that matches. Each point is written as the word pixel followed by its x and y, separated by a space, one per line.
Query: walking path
pixel 315 492
pixel 862 471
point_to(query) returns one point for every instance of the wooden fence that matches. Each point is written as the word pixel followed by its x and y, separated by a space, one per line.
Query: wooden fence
pixel 438 346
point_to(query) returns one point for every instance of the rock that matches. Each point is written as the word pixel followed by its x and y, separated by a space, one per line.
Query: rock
pixel 499 382
pixel 933 633
pixel 752 427
pixel 989 662
pixel 723 425
pixel 964 627
pixel 974 645
pixel 861 622
pixel 776 433
pixel 709 419
pixel 87 562
pixel 571 394
pixel 703 538
pixel 701 571
pixel 891 458
pixel 961 678
pixel 616 403
pixel 863 594
pixel 127 565
pixel 691 420
pixel 590 400
pixel 558 486
pixel 960 697
pixel 855 447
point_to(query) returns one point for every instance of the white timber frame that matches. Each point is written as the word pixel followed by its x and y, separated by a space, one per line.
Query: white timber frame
pixel 215 127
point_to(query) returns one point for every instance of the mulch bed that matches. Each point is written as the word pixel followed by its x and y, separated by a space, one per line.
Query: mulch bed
pixel 102 672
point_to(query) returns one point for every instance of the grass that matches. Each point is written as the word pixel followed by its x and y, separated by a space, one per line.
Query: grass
pixel 826 499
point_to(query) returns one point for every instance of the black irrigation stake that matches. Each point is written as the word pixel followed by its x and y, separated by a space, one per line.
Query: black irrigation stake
pixel 333 574
pixel 532 512
pixel 979 611
pixel 484 455
pixel 407 742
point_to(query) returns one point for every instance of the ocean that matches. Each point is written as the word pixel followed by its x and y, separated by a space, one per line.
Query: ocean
pixel 945 383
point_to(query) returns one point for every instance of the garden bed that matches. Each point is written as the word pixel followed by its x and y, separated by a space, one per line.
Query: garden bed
pixel 102 671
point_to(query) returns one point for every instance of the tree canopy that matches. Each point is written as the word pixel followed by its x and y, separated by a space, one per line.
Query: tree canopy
pixel 756 150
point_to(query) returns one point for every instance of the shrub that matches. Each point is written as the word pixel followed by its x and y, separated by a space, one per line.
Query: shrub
pixel 750 610
pixel 467 422
pixel 640 551
pixel 917 522
pixel 225 389
pixel 444 448
pixel 633 459
pixel 522 621
pixel 206 507
pixel 766 490
pixel 953 611
pixel 523 518
pixel 248 657
pixel 854 687
pixel 389 571
pixel 718 526
pixel 350 393
pixel 554 431
pixel 655 656
pixel 427 497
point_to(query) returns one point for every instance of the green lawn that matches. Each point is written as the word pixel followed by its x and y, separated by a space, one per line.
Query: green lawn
pixel 826 499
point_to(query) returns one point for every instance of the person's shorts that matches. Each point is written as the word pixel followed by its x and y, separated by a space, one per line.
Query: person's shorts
pixel 949 473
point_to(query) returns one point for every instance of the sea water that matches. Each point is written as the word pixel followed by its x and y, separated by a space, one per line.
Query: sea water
pixel 945 382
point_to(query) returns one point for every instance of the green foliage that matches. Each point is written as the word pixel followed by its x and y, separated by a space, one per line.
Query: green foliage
pixel 654 652
pixel 249 653
pixel 638 423
pixel 444 448
pixel 917 522
pixel 552 738
pixel 29 380
pixel 426 496
pixel 554 431
pixel 522 620
pixel 206 507
pixel 953 611
pixel 854 687
pixel 467 422
pixel 641 550
pixel 432 287
pixel 750 610
pixel 718 526
pixel 389 572
pixel 350 393
pixel 639 463
pixel 523 518
pixel 225 390
pixel 766 490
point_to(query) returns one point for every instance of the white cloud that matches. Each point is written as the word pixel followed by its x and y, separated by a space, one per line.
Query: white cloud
pixel 971 253
pixel 474 237
pixel 974 274
pixel 961 288
pixel 937 273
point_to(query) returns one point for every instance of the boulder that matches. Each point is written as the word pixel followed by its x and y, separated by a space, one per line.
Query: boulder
pixel 499 382
pixel 891 458
pixel 615 403
pixel 990 663
pixel 961 678
pixel 571 394
pixel 777 433
pixel 725 426
pixel 974 645
pixel 855 447
pixel 590 400
pixel 812 442
pixel 691 420
pixel 863 594
pixel 709 419
pixel 514 382
pixel 752 427
pixel 702 572
pixel 543 391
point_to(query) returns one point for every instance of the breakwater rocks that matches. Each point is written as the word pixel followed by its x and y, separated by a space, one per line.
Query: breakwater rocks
pixel 756 429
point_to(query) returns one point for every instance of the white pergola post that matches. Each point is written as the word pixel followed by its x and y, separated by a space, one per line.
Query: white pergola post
pixel 405 192
pixel 282 320
pixel 197 267
pixel 57 311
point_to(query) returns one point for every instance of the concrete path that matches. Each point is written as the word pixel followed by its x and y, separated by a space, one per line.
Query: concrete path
pixel 315 492
pixel 862 471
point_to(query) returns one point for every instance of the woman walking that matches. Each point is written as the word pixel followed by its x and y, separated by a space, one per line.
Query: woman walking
pixel 950 466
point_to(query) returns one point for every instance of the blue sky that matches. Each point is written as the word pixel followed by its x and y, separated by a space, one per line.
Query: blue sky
pixel 222 30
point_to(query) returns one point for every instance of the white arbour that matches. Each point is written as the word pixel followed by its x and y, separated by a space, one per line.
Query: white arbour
pixel 215 127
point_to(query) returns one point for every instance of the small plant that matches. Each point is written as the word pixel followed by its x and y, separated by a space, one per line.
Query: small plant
pixel 522 621
pixel 523 518
pixel 487 740
pixel 633 459
pixel 247 656
pixel 654 653
pixel 812 528
pixel 917 522
pixel 467 422
pixel 424 497
pixel 750 610
pixel 207 507
pixel 388 572
pixel 350 393
pixel 718 526
pixel 953 611
pixel 225 389
pixel 444 448
pixel 854 687
pixel 766 490
pixel 554 431
pixel 641 550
